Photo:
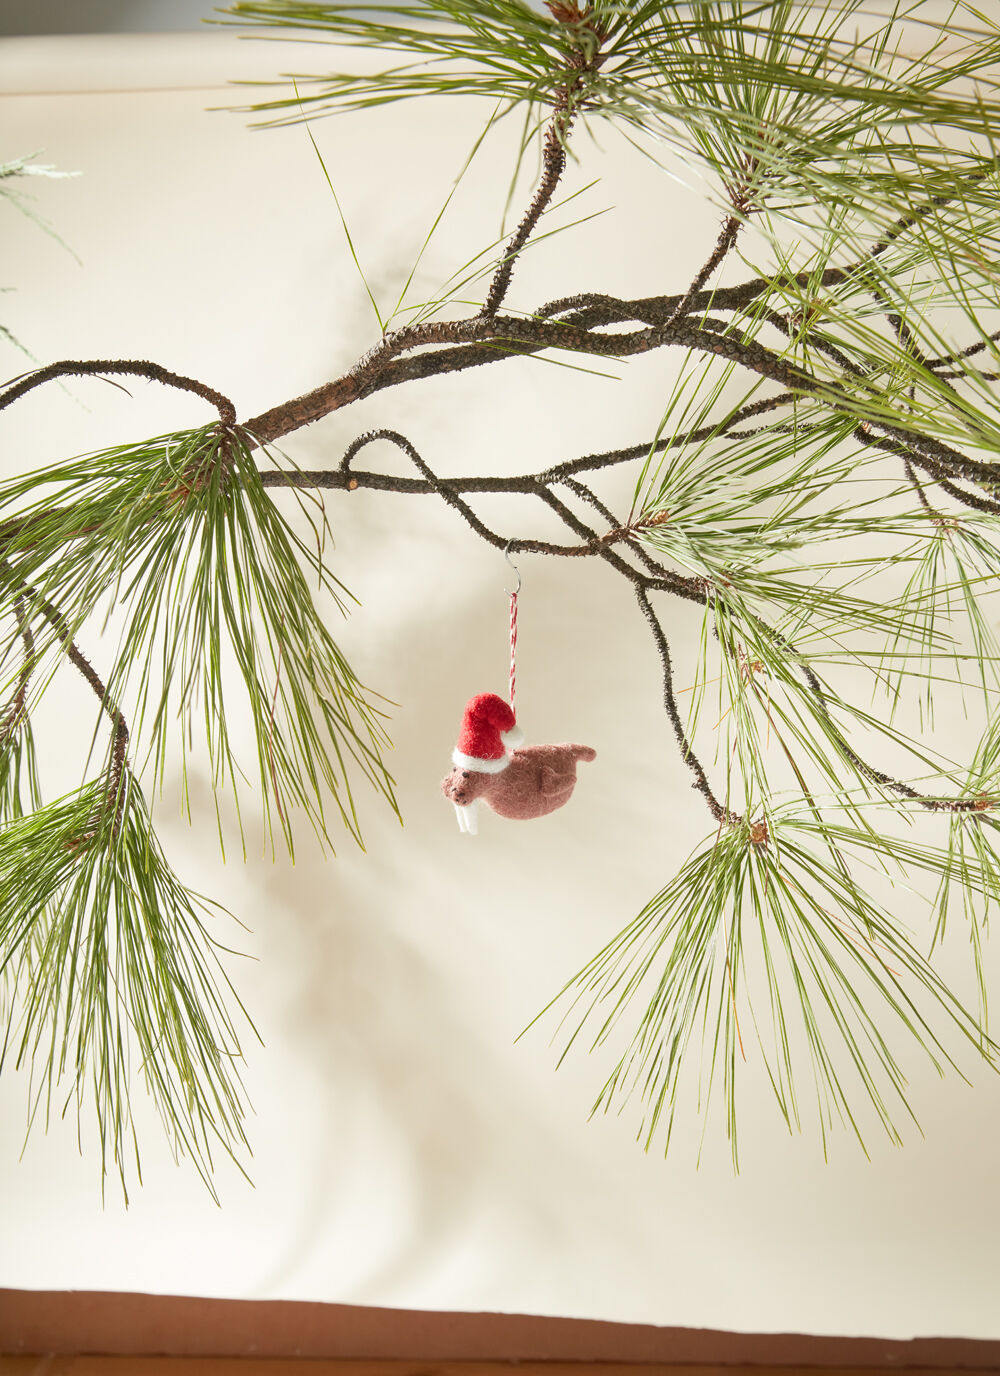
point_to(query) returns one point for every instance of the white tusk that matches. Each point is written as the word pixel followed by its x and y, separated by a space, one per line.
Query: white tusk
pixel 468 822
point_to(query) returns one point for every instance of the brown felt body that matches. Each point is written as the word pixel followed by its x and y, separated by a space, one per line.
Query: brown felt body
pixel 539 779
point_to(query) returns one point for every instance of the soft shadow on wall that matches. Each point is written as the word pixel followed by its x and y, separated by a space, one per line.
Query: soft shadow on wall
pixel 103 16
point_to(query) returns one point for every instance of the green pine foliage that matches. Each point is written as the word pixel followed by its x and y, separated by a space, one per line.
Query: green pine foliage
pixel 119 979
pixel 822 490
pixel 869 176
pixel 178 536
pixel 767 943
pixel 112 968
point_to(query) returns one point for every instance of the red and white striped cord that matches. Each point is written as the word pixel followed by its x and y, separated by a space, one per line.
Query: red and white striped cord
pixel 513 649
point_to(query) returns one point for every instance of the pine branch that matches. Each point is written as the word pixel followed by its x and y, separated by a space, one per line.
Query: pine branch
pixel 375 371
pixel 585 57
pixel 872 181
pixel 727 238
pixel 970 352
pixel 722 815
pixel 17 711
pixel 120 732
pixel 553 166
pixel 118 367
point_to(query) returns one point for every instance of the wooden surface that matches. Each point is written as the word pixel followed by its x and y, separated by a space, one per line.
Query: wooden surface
pixel 318 1366
pixel 81 1333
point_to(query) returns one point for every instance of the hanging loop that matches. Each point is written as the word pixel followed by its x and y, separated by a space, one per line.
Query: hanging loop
pixel 506 555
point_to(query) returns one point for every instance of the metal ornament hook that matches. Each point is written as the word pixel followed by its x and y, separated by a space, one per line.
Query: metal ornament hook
pixel 506 555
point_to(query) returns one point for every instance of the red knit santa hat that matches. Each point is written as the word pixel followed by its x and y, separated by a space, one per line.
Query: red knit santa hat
pixel 488 732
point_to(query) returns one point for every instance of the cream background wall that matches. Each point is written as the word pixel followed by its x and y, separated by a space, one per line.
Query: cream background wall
pixel 406 1151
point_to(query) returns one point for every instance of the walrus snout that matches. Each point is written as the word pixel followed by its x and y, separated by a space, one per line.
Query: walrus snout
pixel 460 786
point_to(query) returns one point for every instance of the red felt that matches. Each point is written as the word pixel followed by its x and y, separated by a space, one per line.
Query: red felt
pixel 486 716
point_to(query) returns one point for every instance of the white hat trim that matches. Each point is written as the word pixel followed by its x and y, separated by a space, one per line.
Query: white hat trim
pixel 461 761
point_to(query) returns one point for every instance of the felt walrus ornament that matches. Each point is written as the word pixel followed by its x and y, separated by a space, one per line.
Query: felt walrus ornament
pixel 491 765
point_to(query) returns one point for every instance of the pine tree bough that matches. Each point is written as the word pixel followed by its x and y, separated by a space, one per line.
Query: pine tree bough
pixel 857 414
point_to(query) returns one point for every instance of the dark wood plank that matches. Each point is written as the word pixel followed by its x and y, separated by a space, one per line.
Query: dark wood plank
pixel 320 1366
pixel 83 1324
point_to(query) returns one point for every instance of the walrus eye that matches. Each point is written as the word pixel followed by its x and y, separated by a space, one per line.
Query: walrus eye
pixel 465 773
